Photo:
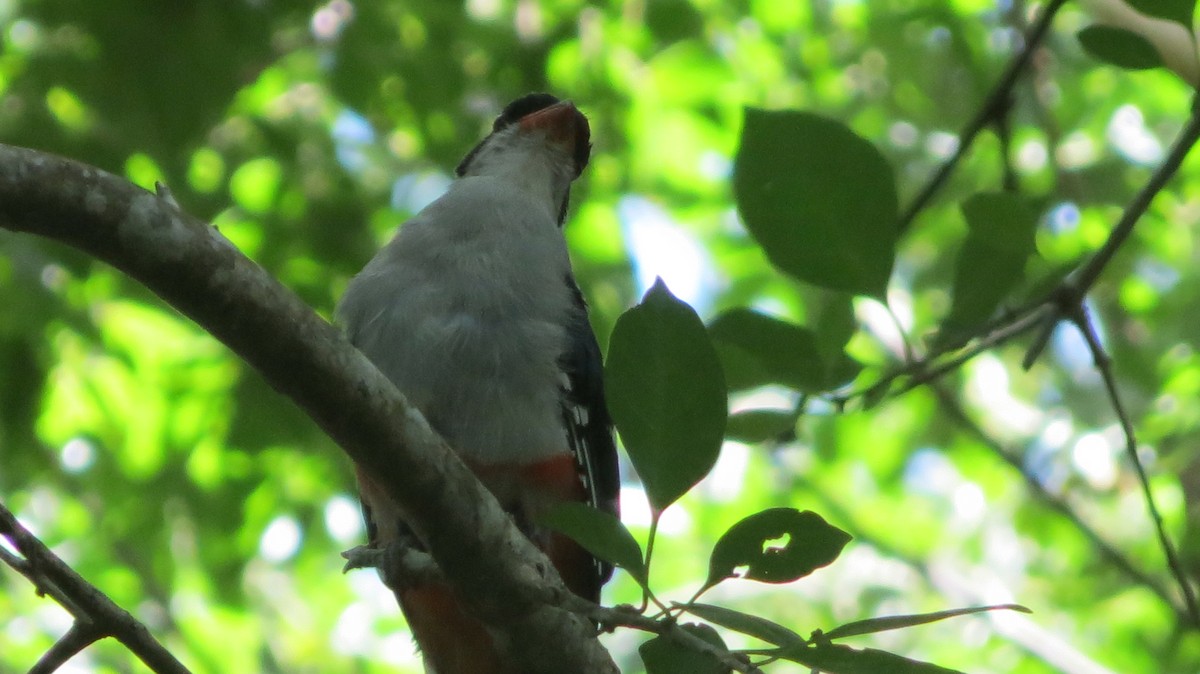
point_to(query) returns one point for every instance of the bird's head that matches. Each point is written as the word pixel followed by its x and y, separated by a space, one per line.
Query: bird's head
pixel 536 137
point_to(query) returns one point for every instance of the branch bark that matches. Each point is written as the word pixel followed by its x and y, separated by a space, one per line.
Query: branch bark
pixel 198 272
pixel 96 616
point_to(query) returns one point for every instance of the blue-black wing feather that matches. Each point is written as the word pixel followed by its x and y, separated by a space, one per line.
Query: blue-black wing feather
pixel 585 415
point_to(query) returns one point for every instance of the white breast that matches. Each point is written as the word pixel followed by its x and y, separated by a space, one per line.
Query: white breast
pixel 464 310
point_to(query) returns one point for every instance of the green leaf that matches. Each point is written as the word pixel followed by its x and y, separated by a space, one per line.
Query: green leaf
pixel 1179 11
pixel 756 349
pixel 1001 228
pixel 896 622
pixel 834 324
pixel 1042 278
pixel 673 20
pixel 664 655
pixel 600 534
pixel 820 200
pixel 836 659
pixel 759 628
pixel 779 352
pixel 1120 47
pixel 666 393
pixel 753 426
pixel 778 545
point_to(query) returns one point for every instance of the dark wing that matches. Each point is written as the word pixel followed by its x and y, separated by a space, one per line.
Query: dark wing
pixel 589 428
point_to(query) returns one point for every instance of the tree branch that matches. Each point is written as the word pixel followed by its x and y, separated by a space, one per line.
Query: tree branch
pixel 1141 202
pixel 405 562
pixel 993 107
pixel 198 272
pixel 1066 300
pixel 1053 501
pixel 80 636
pixel 96 616
pixel 1068 296
pixel 1104 365
pixel 933 366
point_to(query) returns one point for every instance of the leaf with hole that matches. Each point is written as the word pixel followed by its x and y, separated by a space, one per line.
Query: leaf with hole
pixel 778 545
pixel 666 394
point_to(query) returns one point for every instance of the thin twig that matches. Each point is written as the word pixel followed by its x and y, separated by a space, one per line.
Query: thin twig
pixel 81 635
pixel 1069 304
pixel 43 585
pixel 929 369
pixel 18 564
pixel 1104 365
pixel 1141 202
pixel 1054 502
pixel 1071 292
pixel 630 617
pixel 401 564
pixel 994 105
pixel 87 604
pixel 910 354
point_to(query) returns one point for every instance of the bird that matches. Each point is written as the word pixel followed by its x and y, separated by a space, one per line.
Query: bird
pixel 473 312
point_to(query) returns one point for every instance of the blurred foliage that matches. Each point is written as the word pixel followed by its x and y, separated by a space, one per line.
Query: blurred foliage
pixel 173 478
